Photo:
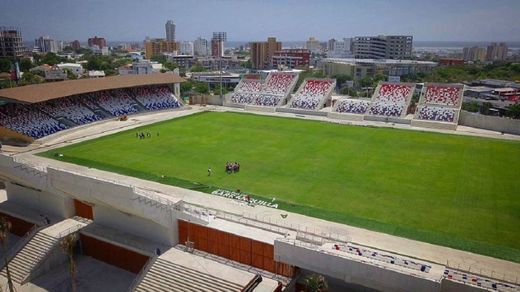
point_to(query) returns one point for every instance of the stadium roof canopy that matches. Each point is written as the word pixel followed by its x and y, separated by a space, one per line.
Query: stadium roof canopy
pixel 47 91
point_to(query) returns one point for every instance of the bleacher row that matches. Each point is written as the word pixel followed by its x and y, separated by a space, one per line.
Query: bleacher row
pixel 44 118
pixel 379 256
pixel 269 93
pixel 439 102
pixel 483 282
pixel 312 93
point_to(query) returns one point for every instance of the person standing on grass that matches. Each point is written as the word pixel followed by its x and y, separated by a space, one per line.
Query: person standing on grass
pixel 209 171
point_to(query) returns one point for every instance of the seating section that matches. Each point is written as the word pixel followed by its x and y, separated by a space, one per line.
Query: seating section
pixel 70 108
pixel 352 106
pixel 312 93
pixel 391 99
pixel 388 109
pixel 28 120
pixel 440 103
pixel 484 283
pixel 41 119
pixel 267 100
pixel 381 256
pixel 269 93
pixel 244 97
pixel 443 95
pixel 394 92
pixel 436 113
pixel 249 85
pixel 279 83
pixel 156 98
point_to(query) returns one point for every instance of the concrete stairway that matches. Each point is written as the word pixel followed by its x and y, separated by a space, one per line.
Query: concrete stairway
pixel 29 256
pixel 168 276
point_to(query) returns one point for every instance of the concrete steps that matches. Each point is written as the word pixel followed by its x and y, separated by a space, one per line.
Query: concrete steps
pixel 29 256
pixel 168 276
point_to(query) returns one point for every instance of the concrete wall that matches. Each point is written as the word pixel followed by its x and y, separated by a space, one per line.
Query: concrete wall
pixel 350 271
pixel 46 203
pixel 206 99
pixel 135 225
pixel 345 116
pixel 53 260
pixel 300 111
pixel 454 286
pixel 258 108
pixel 498 124
pixel 434 125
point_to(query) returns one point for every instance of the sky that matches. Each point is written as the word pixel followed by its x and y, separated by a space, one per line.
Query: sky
pixel 248 20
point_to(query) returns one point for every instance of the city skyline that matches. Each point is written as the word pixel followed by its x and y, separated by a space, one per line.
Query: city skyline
pixel 288 20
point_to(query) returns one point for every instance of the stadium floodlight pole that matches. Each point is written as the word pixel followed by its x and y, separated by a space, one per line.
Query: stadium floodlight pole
pixel 220 73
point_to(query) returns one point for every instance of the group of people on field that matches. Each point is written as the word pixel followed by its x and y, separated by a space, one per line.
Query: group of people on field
pixel 144 135
pixel 232 167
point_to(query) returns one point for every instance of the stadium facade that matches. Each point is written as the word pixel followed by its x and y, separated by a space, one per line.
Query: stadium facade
pixel 170 238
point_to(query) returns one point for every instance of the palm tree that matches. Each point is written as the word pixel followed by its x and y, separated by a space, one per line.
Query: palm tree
pixel 316 283
pixel 5 227
pixel 67 244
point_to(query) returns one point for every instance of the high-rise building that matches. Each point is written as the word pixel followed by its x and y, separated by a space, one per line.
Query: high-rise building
pixel 97 41
pixel 200 47
pixel 474 54
pixel 11 43
pixel 75 45
pixel 156 47
pixel 496 52
pixel 262 53
pixel 313 45
pixel 46 45
pixel 383 47
pixel 170 30
pixel 217 44
pixel 341 49
pixel 330 45
pixel 291 58
pixel 187 48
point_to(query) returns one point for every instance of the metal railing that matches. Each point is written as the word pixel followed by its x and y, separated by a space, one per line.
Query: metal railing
pixel 13 251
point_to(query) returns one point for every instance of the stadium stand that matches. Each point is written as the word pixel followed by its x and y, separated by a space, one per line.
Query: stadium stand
pixel 249 85
pixel 41 119
pixel 279 83
pixel 475 280
pixel 443 95
pixel 383 257
pixel 28 120
pixel 70 108
pixel 156 98
pixel 440 103
pixel 436 113
pixel 272 92
pixel 312 94
pixel 243 97
pixel 352 106
pixel 391 99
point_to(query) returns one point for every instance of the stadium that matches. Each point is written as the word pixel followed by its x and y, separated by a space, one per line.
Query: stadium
pixel 255 192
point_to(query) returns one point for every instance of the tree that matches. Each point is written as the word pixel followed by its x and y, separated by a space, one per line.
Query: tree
pixel 5 227
pixel 197 68
pixel 70 75
pixel 513 111
pixel 51 59
pixel 216 90
pixel 366 82
pixel 67 244
pixel 341 79
pixel 201 88
pixel 316 283
pixel 5 65
pixel 471 106
pixel 30 78
pixel 186 87
pixel 26 64
pixel 247 64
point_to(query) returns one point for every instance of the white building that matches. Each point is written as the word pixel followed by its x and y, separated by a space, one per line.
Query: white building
pixel 313 45
pixel 170 30
pixel 76 69
pixel 46 45
pixel 187 48
pixel 140 68
pixel 201 47
pixel 341 49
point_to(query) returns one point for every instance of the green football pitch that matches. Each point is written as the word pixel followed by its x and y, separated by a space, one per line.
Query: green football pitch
pixel 457 191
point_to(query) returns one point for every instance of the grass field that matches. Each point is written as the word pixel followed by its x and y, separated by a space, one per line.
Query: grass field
pixel 457 191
